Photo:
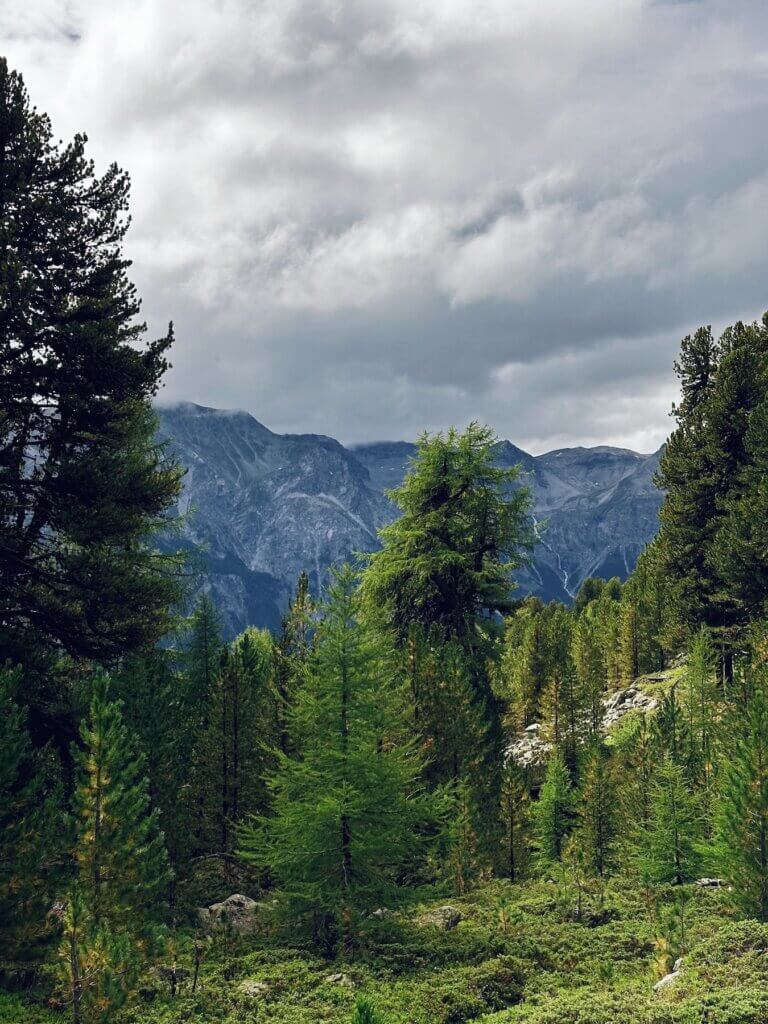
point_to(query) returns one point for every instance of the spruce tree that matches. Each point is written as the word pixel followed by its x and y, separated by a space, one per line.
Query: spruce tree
pixel 741 813
pixel 552 814
pixel 346 808
pixel 671 849
pixel 84 483
pixel 32 835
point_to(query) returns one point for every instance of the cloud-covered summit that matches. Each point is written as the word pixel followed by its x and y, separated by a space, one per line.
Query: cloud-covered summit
pixel 368 218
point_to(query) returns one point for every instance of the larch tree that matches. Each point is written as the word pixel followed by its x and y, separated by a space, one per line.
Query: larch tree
pixel 447 562
pixel 552 815
pixel 346 808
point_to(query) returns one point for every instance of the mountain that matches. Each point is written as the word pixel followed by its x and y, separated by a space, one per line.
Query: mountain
pixel 264 506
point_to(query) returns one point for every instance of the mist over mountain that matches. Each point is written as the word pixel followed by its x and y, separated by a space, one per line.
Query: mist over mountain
pixel 264 506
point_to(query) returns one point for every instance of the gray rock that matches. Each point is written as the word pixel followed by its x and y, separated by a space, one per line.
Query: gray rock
pixel 381 913
pixel 253 989
pixel 666 982
pixel 445 918
pixel 677 966
pixel 236 913
pixel 340 979
pixel 710 883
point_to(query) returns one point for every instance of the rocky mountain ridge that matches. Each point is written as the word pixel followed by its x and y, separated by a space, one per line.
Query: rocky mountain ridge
pixel 263 506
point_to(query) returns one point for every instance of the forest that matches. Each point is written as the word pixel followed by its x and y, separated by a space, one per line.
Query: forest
pixel 417 802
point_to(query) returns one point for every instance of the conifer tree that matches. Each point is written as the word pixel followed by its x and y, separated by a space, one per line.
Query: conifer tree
pixel 589 659
pixel 447 562
pixel 700 694
pixel 84 483
pixel 671 850
pixel 553 813
pixel 596 811
pixel 293 648
pixel 741 814
pixel 235 749
pixel 514 817
pixel 32 834
pixel 204 655
pixel 447 718
pixel 347 806
pixel 122 865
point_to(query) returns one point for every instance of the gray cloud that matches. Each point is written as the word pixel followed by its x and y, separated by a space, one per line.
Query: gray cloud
pixel 370 217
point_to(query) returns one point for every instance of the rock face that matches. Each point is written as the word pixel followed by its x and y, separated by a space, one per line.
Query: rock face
pixel 236 913
pixel 265 506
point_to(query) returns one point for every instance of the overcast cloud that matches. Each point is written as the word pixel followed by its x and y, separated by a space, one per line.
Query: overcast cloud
pixel 370 218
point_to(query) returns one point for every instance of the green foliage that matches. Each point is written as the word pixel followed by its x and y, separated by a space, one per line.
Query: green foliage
pixel 84 482
pixel 234 750
pixel 347 808
pixel 741 816
pixel 122 865
pixel 671 850
pixel 448 559
pixel 596 811
pixel 552 814
pixel 30 834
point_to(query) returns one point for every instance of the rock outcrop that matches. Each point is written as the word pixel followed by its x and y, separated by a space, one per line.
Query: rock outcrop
pixel 239 914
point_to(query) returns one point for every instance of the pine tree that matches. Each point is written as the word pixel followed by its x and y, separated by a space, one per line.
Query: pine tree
pixel 84 482
pixel 122 865
pixel 32 833
pixel 347 807
pixel 596 811
pixel 552 814
pixel 671 848
pixel 741 814
pixel 740 548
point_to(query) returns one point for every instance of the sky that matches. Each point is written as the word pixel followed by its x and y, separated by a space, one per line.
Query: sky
pixel 368 218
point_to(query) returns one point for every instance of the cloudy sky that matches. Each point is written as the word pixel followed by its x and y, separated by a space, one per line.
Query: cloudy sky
pixel 371 217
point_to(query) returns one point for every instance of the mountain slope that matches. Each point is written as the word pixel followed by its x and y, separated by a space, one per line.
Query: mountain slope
pixel 264 506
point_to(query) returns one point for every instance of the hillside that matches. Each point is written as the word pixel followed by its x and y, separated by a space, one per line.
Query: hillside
pixel 264 506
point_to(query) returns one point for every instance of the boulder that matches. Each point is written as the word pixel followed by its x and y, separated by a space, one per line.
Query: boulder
pixel 381 913
pixel 677 966
pixel 340 979
pixel 236 913
pixel 667 981
pixel 710 883
pixel 253 989
pixel 445 918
